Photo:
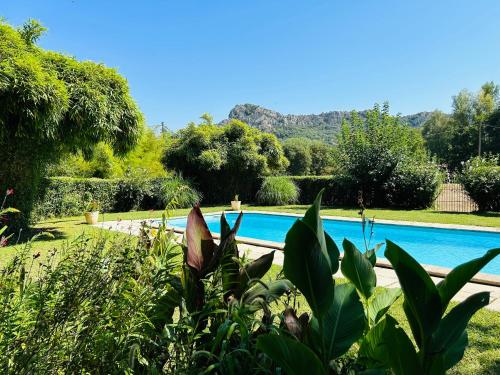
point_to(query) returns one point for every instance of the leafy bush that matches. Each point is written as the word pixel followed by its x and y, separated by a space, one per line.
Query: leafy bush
pixel 225 160
pixel 66 196
pixel 413 185
pixel 481 179
pixel 180 192
pixel 277 191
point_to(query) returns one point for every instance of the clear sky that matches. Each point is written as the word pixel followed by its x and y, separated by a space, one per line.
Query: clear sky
pixel 183 58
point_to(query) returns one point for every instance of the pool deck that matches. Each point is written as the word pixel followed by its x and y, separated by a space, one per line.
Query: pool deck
pixel 386 276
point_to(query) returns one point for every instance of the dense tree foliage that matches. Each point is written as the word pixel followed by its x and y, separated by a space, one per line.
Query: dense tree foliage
pixel 51 103
pixel 143 160
pixel 225 160
pixel 308 157
pixel 369 151
pixel 455 139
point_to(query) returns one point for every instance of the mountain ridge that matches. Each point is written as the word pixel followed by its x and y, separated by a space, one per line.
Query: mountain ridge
pixel 322 126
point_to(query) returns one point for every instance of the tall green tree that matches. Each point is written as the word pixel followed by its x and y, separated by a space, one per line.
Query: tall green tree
pixel 308 157
pixel 369 151
pixel 471 128
pixel 51 104
pixel 225 160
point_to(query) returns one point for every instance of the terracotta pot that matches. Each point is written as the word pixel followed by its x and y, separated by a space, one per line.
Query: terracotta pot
pixel 236 205
pixel 92 217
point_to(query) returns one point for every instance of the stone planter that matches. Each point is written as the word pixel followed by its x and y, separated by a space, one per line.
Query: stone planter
pixel 236 205
pixel 92 217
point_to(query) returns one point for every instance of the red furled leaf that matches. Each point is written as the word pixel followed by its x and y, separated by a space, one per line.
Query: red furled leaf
pixel 200 244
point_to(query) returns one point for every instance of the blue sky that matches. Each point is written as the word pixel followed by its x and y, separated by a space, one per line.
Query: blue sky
pixel 183 58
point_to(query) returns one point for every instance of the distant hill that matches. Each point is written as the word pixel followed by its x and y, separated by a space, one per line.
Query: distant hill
pixel 323 126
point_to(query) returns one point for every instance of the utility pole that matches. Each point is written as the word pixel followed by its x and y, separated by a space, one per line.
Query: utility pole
pixel 163 131
pixel 479 143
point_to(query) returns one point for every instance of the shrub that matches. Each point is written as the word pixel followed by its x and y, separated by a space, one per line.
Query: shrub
pixel 277 191
pixel 66 196
pixel 481 179
pixel 413 185
pixel 178 191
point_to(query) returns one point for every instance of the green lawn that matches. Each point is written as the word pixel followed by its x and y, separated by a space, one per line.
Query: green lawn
pixel 483 354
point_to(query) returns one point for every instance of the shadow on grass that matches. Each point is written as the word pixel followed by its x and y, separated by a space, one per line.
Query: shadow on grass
pixel 479 214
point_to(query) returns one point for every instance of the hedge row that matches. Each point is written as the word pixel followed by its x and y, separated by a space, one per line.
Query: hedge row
pixel 67 196
pixel 482 182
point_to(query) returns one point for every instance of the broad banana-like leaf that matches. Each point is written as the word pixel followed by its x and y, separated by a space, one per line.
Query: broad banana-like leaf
pixel 461 275
pixel 448 338
pixel 333 253
pixel 265 293
pixel 358 269
pixel 292 356
pixel 422 303
pixel 387 345
pixel 313 220
pixel 200 243
pixel 292 323
pixel 229 266
pixel 380 303
pixel 308 268
pixel 254 270
pixel 343 324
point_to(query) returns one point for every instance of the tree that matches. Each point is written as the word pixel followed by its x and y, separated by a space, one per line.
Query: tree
pixel 469 130
pixel 298 153
pixel 369 151
pixel 225 160
pixel 308 157
pixel 51 104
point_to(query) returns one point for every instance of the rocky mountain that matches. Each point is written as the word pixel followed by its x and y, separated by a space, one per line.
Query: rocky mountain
pixel 323 126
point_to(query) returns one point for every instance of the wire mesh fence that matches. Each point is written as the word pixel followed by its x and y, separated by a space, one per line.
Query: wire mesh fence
pixel 453 198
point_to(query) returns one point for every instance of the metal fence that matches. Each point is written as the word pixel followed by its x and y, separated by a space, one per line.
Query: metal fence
pixel 454 198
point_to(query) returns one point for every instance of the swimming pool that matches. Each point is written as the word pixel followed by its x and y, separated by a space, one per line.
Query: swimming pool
pixel 434 246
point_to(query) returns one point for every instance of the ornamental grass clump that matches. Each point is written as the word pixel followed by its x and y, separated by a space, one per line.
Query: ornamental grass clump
pixel 277 191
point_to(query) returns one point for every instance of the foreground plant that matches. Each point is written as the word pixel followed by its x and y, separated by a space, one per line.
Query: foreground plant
pixel 354 312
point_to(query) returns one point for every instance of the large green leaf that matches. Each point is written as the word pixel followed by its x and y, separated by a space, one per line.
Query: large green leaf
pixel 306 266
pixel 226 246
pixel 229 266
pixel 448 338
pixel 333 253
pixel 380 303
pixel 342 325
pixel 313 220
pixel 461 275
pixel 292 356
pixel 257 268
pixel 387 345
pixel 358 269
pixel 422 303
pixel 200 244
pixel 265 293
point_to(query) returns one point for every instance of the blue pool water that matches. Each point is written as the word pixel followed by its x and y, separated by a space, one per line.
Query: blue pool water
pixel 436 246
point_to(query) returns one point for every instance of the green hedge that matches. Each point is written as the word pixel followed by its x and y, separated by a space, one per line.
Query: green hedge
pixel 482 182
pixel 67 196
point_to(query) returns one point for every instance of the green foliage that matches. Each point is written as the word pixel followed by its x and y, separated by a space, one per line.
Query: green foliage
pixel 66 196
pixel 369 151
pixel 353 312
pixel 413 185
pixel 90 307
pixel 143 160
pixel 277 191
pixel 51 103
pixel 481 180
pixel 178 190
pixel 310 186
pixel 224 160
pixel 308 157
pixel 455 139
